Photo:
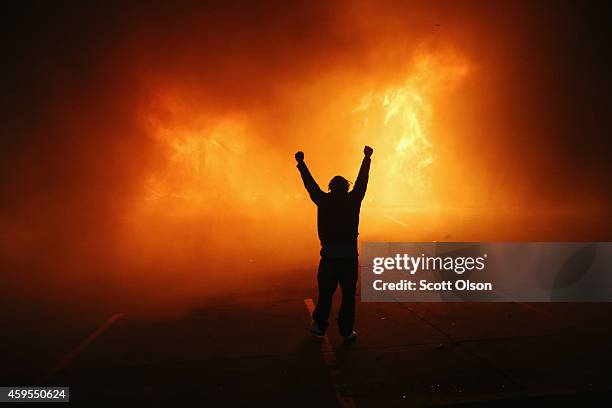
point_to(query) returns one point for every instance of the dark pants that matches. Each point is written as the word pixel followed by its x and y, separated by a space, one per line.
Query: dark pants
pixel 334 271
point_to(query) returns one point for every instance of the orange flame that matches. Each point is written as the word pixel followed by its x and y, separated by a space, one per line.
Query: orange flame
pixel 399 119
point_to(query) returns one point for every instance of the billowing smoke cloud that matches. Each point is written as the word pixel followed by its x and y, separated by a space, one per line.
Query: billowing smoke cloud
pixel 147 150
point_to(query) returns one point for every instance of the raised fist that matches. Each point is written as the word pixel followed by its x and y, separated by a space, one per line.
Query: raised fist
pixel 367 151
pixel 299 156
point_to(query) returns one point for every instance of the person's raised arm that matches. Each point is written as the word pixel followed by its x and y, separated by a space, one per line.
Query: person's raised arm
pixel 311 185
pixel 362 179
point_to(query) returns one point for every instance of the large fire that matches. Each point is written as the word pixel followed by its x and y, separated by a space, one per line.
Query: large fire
pixel 398 121
pixel 212 161
pixel 157 144
pixel 226 181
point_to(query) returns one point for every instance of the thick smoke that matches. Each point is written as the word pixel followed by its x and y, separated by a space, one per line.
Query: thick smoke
pixel 102 107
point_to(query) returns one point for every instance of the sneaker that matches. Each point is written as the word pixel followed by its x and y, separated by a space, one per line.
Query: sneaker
pixel 350 338
pixel 314 328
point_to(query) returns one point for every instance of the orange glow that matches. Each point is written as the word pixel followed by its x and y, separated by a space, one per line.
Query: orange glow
pixel 223 182
pixel 398 121
pixel 201 165
pixel 209 160
pixel 159 156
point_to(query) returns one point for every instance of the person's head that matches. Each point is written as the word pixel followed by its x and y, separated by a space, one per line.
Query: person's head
pixel 339 185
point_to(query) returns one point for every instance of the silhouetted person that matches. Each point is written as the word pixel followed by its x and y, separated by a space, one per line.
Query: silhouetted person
pixel 338 226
